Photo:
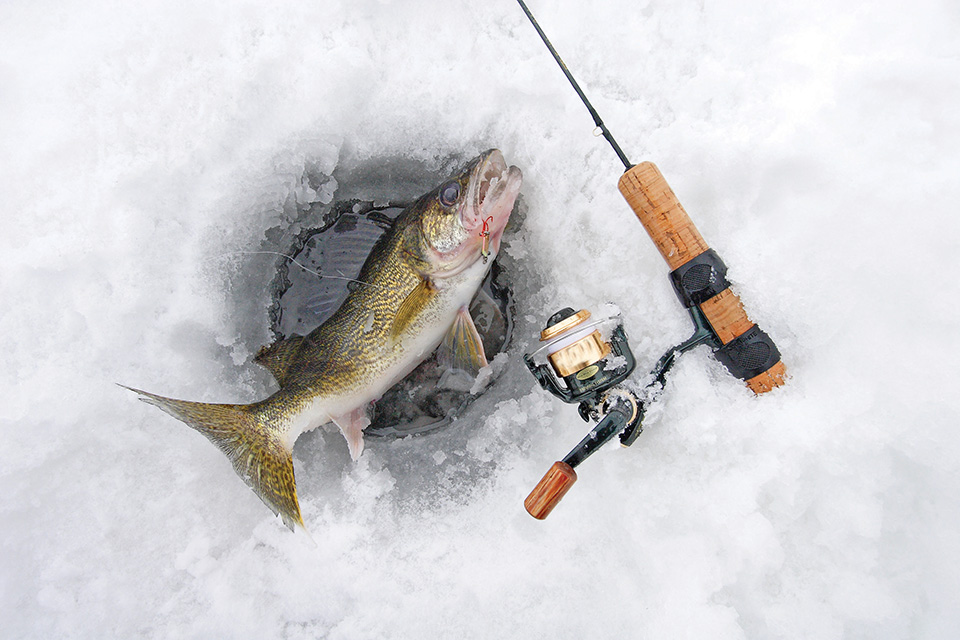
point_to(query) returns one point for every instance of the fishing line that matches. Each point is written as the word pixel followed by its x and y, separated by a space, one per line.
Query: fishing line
pixel 294 261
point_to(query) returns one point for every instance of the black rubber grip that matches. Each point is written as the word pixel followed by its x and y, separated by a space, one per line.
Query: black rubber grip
pixel 699 279
pixel 749 354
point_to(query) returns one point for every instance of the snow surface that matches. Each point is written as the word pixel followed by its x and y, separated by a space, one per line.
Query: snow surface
pixel 145 146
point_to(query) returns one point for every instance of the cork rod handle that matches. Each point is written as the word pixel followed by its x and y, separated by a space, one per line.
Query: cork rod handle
pixel 679 241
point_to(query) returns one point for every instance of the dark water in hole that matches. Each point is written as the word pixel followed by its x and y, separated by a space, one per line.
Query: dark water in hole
pixel 430 396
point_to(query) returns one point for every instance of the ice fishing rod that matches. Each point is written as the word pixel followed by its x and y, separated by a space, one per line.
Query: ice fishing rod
pixel 589 362
pixel 576 87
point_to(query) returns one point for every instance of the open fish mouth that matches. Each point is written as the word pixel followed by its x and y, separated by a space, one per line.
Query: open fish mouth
pixel 493 191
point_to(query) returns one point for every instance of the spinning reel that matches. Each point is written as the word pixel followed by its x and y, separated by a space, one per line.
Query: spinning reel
pixel 586 367
pixel 590 362
pixel 586 361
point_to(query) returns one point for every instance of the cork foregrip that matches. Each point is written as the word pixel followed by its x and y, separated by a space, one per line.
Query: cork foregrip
pixel 662 215
pixel 678 240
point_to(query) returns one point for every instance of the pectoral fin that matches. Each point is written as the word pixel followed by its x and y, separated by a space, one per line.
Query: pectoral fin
pixel 351 426
pixel 462 347
pixel 412 306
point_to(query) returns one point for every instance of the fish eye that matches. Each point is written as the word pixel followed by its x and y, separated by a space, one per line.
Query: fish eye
pixel 449 193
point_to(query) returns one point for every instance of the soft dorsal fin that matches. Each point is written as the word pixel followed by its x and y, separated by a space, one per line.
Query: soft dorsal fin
pixel 462 347
pixel 412 306
pixel 278 356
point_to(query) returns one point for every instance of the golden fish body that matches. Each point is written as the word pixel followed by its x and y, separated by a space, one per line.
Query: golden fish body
pixel 415 289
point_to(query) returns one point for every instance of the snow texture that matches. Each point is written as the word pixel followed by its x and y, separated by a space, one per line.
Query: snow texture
pixel 147 149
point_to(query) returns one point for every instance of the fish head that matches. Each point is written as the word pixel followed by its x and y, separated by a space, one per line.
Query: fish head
pixel 462 220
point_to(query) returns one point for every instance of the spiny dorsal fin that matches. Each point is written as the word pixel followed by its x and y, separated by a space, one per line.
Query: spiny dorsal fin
pixel 412 306
pixel 462 347
pixel 278 356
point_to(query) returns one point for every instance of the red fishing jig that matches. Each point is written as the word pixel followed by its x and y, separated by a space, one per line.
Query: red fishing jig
pixel 485 234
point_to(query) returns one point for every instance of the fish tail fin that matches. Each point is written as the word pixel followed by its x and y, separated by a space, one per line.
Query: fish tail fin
pixel 258 453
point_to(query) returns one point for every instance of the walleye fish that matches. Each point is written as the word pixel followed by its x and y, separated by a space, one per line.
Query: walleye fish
pixel 416 286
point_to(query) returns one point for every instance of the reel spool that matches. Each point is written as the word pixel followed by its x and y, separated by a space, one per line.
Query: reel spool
pixel 581 364
pixel 572 347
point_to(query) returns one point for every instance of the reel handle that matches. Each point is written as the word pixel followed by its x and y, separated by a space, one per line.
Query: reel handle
pixel 679 241
pixel 550 490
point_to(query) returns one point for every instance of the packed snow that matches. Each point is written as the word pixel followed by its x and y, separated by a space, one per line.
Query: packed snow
pixel 149 149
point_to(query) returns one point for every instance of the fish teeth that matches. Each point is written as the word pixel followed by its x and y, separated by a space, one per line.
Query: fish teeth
pixel 493 194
